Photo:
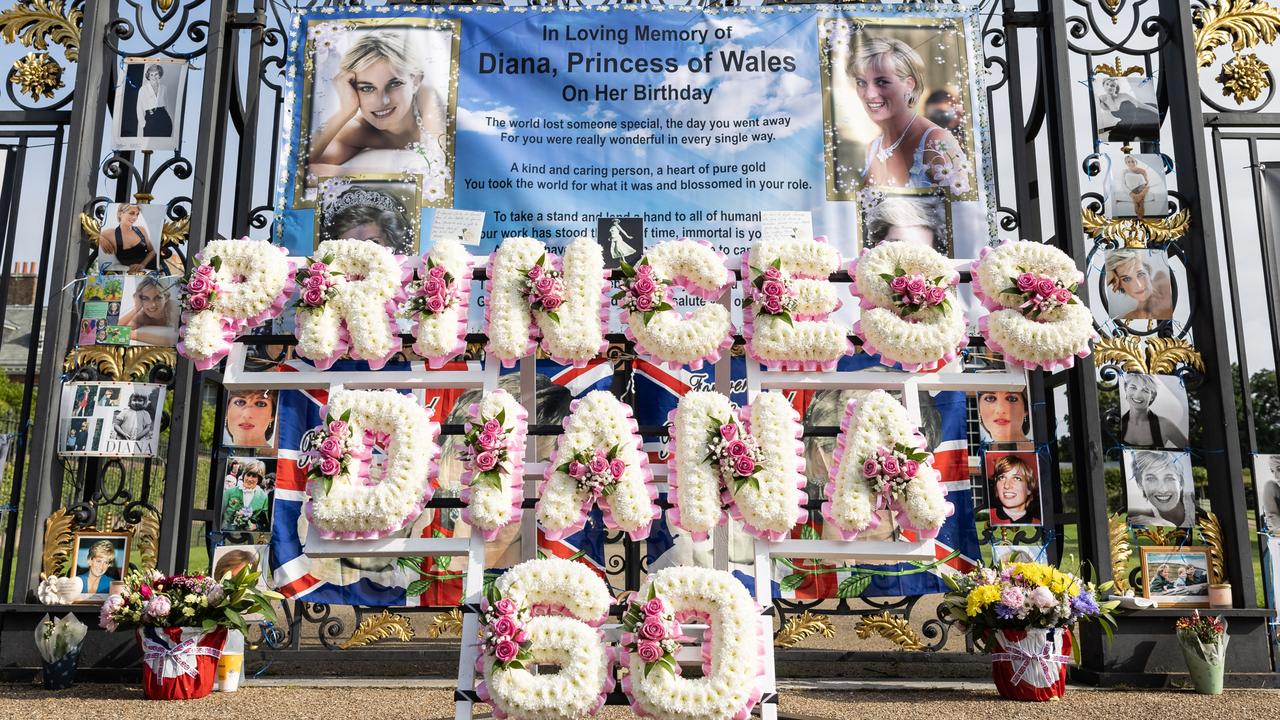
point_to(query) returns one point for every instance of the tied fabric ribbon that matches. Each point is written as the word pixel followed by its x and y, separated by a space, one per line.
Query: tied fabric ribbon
pixel 181 658
pixel 1035 661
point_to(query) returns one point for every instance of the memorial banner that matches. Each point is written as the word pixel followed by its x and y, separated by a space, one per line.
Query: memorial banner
pixel 557 122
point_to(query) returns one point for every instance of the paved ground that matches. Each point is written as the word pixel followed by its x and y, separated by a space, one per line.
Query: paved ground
pixel 970 701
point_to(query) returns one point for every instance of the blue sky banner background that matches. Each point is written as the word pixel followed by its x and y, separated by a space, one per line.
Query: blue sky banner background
pixel 507 170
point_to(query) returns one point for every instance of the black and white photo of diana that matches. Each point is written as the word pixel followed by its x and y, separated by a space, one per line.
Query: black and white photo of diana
pixel 147 114
pixel 1153 411
pixel 1125 108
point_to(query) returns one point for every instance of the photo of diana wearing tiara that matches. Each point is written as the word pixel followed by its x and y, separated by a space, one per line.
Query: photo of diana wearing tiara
pixel 383 209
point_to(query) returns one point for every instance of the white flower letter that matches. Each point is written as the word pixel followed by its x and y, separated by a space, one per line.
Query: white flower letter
pixel 250 285
pixel 353 507
pixel 440 337
pixel 578 334
pixel 918 339
pixel 1052 339
pixel 808 341
pixel 598 421
pixel 675 338
pixel 489 507
pixel 570 642
pixel 769 507
pixel 359 319
pixel 732 650
pixel 878 421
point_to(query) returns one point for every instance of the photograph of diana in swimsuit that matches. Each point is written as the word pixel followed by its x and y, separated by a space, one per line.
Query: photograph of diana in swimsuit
pixel 130 238
pixel 878 90
pixel 380 102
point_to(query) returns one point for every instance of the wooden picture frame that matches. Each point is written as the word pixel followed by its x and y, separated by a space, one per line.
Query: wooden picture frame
pixel 85 542
pixel 1174 586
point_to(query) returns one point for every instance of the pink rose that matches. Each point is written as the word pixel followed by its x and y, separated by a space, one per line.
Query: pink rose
pixel 314 281
pixel 870 468
pixel 577 469
pixel 313 296
pixel 432 287
pixel 503 626
pixel 205 271
pixel 936 295
pixel 1046 286
pixel 915 285
pixel 551 302
pixel 654 606
pixel 330 466
pixel 649 651
pixel 331 447
pixel 146 592
pixel 728 431
pixel 643 285
pixel 653 629
pixel 520 636
pixel 339 428
pixel 198 284
pixel 198 302
pixel 535 272
pixel 736 448
pixel 644 270
pixel 506 606
pixel 1062 295
pixel 318 268
pixel 891 466
pixel 598 465
pixel 744 465
pixel 898 284
pixel 492 426
pixel 910 468
pixel 544 284
pixel 158 606
pixel 1026 282
pixel 435 304
pixel 486 461
pixel 436 272
pixel 644 303
pixel 617 467
pixel 506 650
pixel 773 288
pixel 772 273
pixel 773 305
pixel 488 440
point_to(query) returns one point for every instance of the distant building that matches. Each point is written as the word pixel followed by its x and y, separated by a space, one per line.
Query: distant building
pixel 19 312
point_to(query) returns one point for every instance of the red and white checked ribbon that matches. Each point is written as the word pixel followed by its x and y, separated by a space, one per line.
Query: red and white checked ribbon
pixel 1038 661
pixel 180 657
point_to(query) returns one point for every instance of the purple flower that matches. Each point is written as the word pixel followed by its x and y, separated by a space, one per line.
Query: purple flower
pixel 870 468
pixel 1084 604
pixel 728 431
pixel 314 281
pixel 649 651
pixel 313 296
pixel 506 650
pixel 486 460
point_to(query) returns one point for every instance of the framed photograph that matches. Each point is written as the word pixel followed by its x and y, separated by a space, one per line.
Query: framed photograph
pixel 1266 482
pixel 134 310
pixel 124 419
pixel 1009 554
pixel 1177 575
pixel 1154 411
pixel 130 238
pixel 1136 185
pixel 1138 285
pixel 381 208
pixel 1125 108
pixel 1160 488
pixel 98 559
pixel 897 106
pixel 248 485
pixel 1013 487
pixel 148 104
pixel 1003 418
pixel 370 83
pixel 891 216
pixel 250 419
pixel 622 239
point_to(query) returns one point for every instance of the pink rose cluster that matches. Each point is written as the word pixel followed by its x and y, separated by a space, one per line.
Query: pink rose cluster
pixel 890 469
pixel 655 634
pixel 486 449
pixel 435 292
pixel 1041 293
pixel 597 472
pixel 544 288
pixel 773 293
pixel 330 455
pixel 315 282
pixel 505 637
pixel 735 452
pixel 644 292
pixel 916 292
pixel 201 288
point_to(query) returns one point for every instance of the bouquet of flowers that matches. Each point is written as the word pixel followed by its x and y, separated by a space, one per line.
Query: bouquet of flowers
pixel 772 294
pixel 434 292
pixel 650 631
pixel 334 449
pixel 486 446
pixel 642 292
pixel 891 469
pixel 913 293
pixel 505 637
pixel 544 289
pixel 1205 636
pixel 57 639
pixel 152 599
pixel 316 282
pixel 1025 595
pixel 596 471
pixel 1040 294
pixel 201 288
pixel 735 452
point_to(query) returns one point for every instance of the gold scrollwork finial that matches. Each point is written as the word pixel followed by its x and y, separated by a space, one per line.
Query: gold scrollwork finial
pixel 1154 356
pixel 383 626
pixel 121 364
pixel 1242 24
pixel 798 628
pixel 59 533
pixel 1134 232
pixel 1211 535
pixel 1119 69
pixel 893 628
pixel 37 75
pixel 1121 551
pixel 1161 535
pixel 35 22
pixel 446 624
pixel 1244 77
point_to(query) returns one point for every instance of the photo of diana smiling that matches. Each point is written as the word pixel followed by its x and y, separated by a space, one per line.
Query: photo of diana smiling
pixel 1160 488
pixel 1013 488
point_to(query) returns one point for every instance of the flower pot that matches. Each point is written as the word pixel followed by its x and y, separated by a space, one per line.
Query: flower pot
pixel 179 663
pixel 1205 676
pixel 60 674
pixel 1031 664
pixel 1220 595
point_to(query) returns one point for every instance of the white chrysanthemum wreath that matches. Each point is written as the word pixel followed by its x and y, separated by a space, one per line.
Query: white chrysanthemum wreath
pixel 438 302
pixel 788 297
pixel 881 462
pixel 673 338
pixel 493 482
pixel 343 500
pixel 909 313
pixel 751 462
pixel 733 647
pixel 514 642
pixel 1036 320
pixel 235 284
pixel 532 292
pixel 350 296
pixel 598 460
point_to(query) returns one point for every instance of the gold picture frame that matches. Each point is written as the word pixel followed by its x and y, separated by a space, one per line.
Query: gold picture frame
pixel 1160 557
pixel 89 541
pixel 413 211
